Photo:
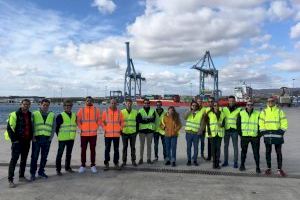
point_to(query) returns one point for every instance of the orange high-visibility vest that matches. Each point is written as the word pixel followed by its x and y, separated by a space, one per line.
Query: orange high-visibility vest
pixel 113 122
pixel 88 120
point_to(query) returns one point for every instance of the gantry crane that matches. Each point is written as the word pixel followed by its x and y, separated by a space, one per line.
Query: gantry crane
pixel 133 80
pixel 207 68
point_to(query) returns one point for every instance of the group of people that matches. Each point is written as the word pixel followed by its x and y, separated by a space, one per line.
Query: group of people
pixel 213 123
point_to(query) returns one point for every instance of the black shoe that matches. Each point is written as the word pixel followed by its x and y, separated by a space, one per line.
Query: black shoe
pixel 225 164
pixel 156 159
pixel 258 170
pixel 218 167
pixel 196 163
pixel 11 184
pixel 168 163
pixel 70 170
pixel 123 164
pixel 235 165
pixel 207 159
pixel 23 179
pixel 149 162
pixel 141 161
pixel 32 178
pixel 242 168
pixel 59 173
pixel 189 163
pixel 117 167
pixel 43 175
pixel 106 167
pixel 134 164
pixel 173 164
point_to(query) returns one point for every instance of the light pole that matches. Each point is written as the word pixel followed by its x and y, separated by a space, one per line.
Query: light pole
pixel 191 84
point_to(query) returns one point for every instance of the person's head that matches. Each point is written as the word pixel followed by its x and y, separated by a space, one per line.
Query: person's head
pixel 44 105
pixel 194 106
pixel 249 105
pixel 199 101
pixel 128 104
pixel 25 105
pixel 158 104
pixel 89 101
pixel 271 102
pixel 171 111
pixel 231 101
pixel 146 103
pixel 113 104
pixel 68 104
pixel 211 100
pixel 216 106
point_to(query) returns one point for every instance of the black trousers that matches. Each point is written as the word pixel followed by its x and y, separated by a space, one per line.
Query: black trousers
pixel 255 143
pixel 216 150
pixel 61 147
pixel 108 141
pixel 17 149
pixel 278 152
pixel 128 138
pixel 209 148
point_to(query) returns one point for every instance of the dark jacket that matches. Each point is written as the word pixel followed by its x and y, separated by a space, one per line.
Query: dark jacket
pixel 17 135
pixel 140 120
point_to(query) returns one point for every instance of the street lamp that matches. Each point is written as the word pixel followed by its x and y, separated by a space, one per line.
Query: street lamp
pixel 293 87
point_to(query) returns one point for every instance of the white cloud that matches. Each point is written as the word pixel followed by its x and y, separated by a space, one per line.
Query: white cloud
pixel 105 6
pixel 174 32
pixel 280 10
pixel 297 45
pixel 289 64
pixel 261 39
pixel 295 31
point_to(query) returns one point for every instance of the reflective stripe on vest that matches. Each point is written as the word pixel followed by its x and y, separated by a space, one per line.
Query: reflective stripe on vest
pixel 231 117
pixel 145 116
pixel 130 121
pixel 41 127
pixel 67 130
pixel 113 123
pixel 215 125
pixel 273 119
pixel 193 122
pixel 158 120
pixel 249 124
pixel 89 121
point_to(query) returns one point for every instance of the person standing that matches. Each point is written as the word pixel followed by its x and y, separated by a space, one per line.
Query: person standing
pixel 231 112
pixel 146 120
pixel 193 119
pixel 19 132
pixel 66 133
pixel 273 125
pixel 113 123
pixel 214 122
pixel 202 135
pixel 44 128
pixel 129 132
pixel 159 133
pixel 171 125
pixel 248 129
pixel 88 121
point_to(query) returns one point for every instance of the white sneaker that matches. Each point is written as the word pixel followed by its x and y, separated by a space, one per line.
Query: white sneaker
pixel 93 169
pixel 81 170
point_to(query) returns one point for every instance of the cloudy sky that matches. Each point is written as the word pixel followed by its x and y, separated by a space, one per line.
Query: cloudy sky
pixel 78 47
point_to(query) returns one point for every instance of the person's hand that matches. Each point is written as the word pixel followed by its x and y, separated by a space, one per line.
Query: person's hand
pixel 281 131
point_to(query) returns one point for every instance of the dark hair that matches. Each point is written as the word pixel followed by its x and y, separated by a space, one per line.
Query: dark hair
pixel 231 97
pixel 68 101
pixel 88 97
pixel 197 104
pixel 212 98
pixel 146 100
pixel 175 117
pixel 45 101
pixel 27 100
pixel 128 100
pixel 159 101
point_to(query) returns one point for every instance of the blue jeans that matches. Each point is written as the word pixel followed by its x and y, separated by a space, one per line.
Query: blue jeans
pixel 234 136
pixel 192 139
pixel 171 146
pixel 42 144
